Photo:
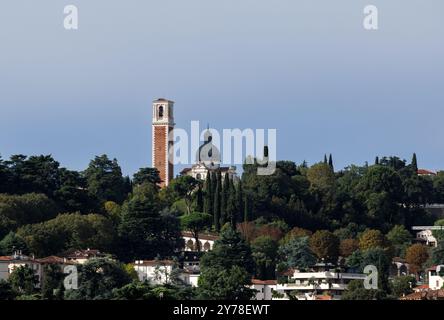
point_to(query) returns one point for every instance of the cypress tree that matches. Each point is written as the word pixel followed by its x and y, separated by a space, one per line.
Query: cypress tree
pixel 217 215
pixel 232 204
pixel 414 163
pixel 199 199
pixel 330 162
pixel 247 214
pixel 377 160
pixel 325 159
pixel 208 201
pixel 219 192
pixel 225 197
pixel 240 200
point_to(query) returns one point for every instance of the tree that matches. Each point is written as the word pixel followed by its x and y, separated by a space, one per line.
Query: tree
pixel 264 250
pixel 217 208
pixel 437 257
pixel 296 253
pixel 36 174
pixel 356 291
pixel 52 284
pixel 195 223
pixel 199 199
pixel 147 175
pixel 370 239
pixel 325 245
pixel 73 195
pixel 240 205
pixel 97 279
pixel 105 181
pixel 12 242
pixel 209 195
pixel 403 285
pixel 6 291
pixel 68 231
pixel 416 255
pixel 184 187
pixel 348 246
pixel 400 239
pixel 144 231
pixel 399 235
pixel 414 164
pixel 225 284
pixel 226 270
pixel 18 210
pixel 23 280
pixel 330 162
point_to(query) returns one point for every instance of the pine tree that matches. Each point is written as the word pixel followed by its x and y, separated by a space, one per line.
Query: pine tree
pixel 330 162
pixel 414 163
pixel 325 159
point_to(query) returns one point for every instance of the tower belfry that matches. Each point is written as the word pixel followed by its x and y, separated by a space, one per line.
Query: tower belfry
pixel 163 124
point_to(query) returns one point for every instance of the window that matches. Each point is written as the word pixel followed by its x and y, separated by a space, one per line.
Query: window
pixel 161 112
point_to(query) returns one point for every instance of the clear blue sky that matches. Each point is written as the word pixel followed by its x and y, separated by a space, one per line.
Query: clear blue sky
pixel 306 68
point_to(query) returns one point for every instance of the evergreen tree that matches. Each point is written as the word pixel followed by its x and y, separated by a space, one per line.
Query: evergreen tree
pixel 247 209
pixel 217 206
pixel 225 199
pixel 414 163
pixel 325 159
pixel 377 160
pixel 199 199
pixel 330 162
pixel 231 209
pixel 208 200
pixel 240 201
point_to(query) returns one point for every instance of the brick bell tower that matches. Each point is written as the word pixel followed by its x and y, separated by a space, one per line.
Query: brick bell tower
pixel 163 124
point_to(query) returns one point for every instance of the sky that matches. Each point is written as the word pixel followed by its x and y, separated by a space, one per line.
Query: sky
pixel 305 68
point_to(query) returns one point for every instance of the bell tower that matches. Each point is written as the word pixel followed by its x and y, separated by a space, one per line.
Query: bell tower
pixel 163 124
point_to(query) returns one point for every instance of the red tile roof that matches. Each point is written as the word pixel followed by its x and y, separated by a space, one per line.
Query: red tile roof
pixel 425 172
pixel 264 282
pixel 202 236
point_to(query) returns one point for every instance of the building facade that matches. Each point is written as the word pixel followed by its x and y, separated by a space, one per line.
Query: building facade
pixel 162 143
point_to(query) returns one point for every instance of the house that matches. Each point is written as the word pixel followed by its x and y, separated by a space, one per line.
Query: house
pixel 426 237
pixel 264 288
pixel 206 241
pixel 9 263
pixel 426 173
pixel 81 256
pixel 436 277
pixel 322 278
pixel 154 271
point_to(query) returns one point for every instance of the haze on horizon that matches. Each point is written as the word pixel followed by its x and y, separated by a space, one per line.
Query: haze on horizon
pixel 307 68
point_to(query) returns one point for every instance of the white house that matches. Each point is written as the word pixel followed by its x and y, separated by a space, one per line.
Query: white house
pixel 206 241
pixel 321 279
pixel 426 237
pixel 9 263
pixel 154 271
pixel 436 277
pixel 264 289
